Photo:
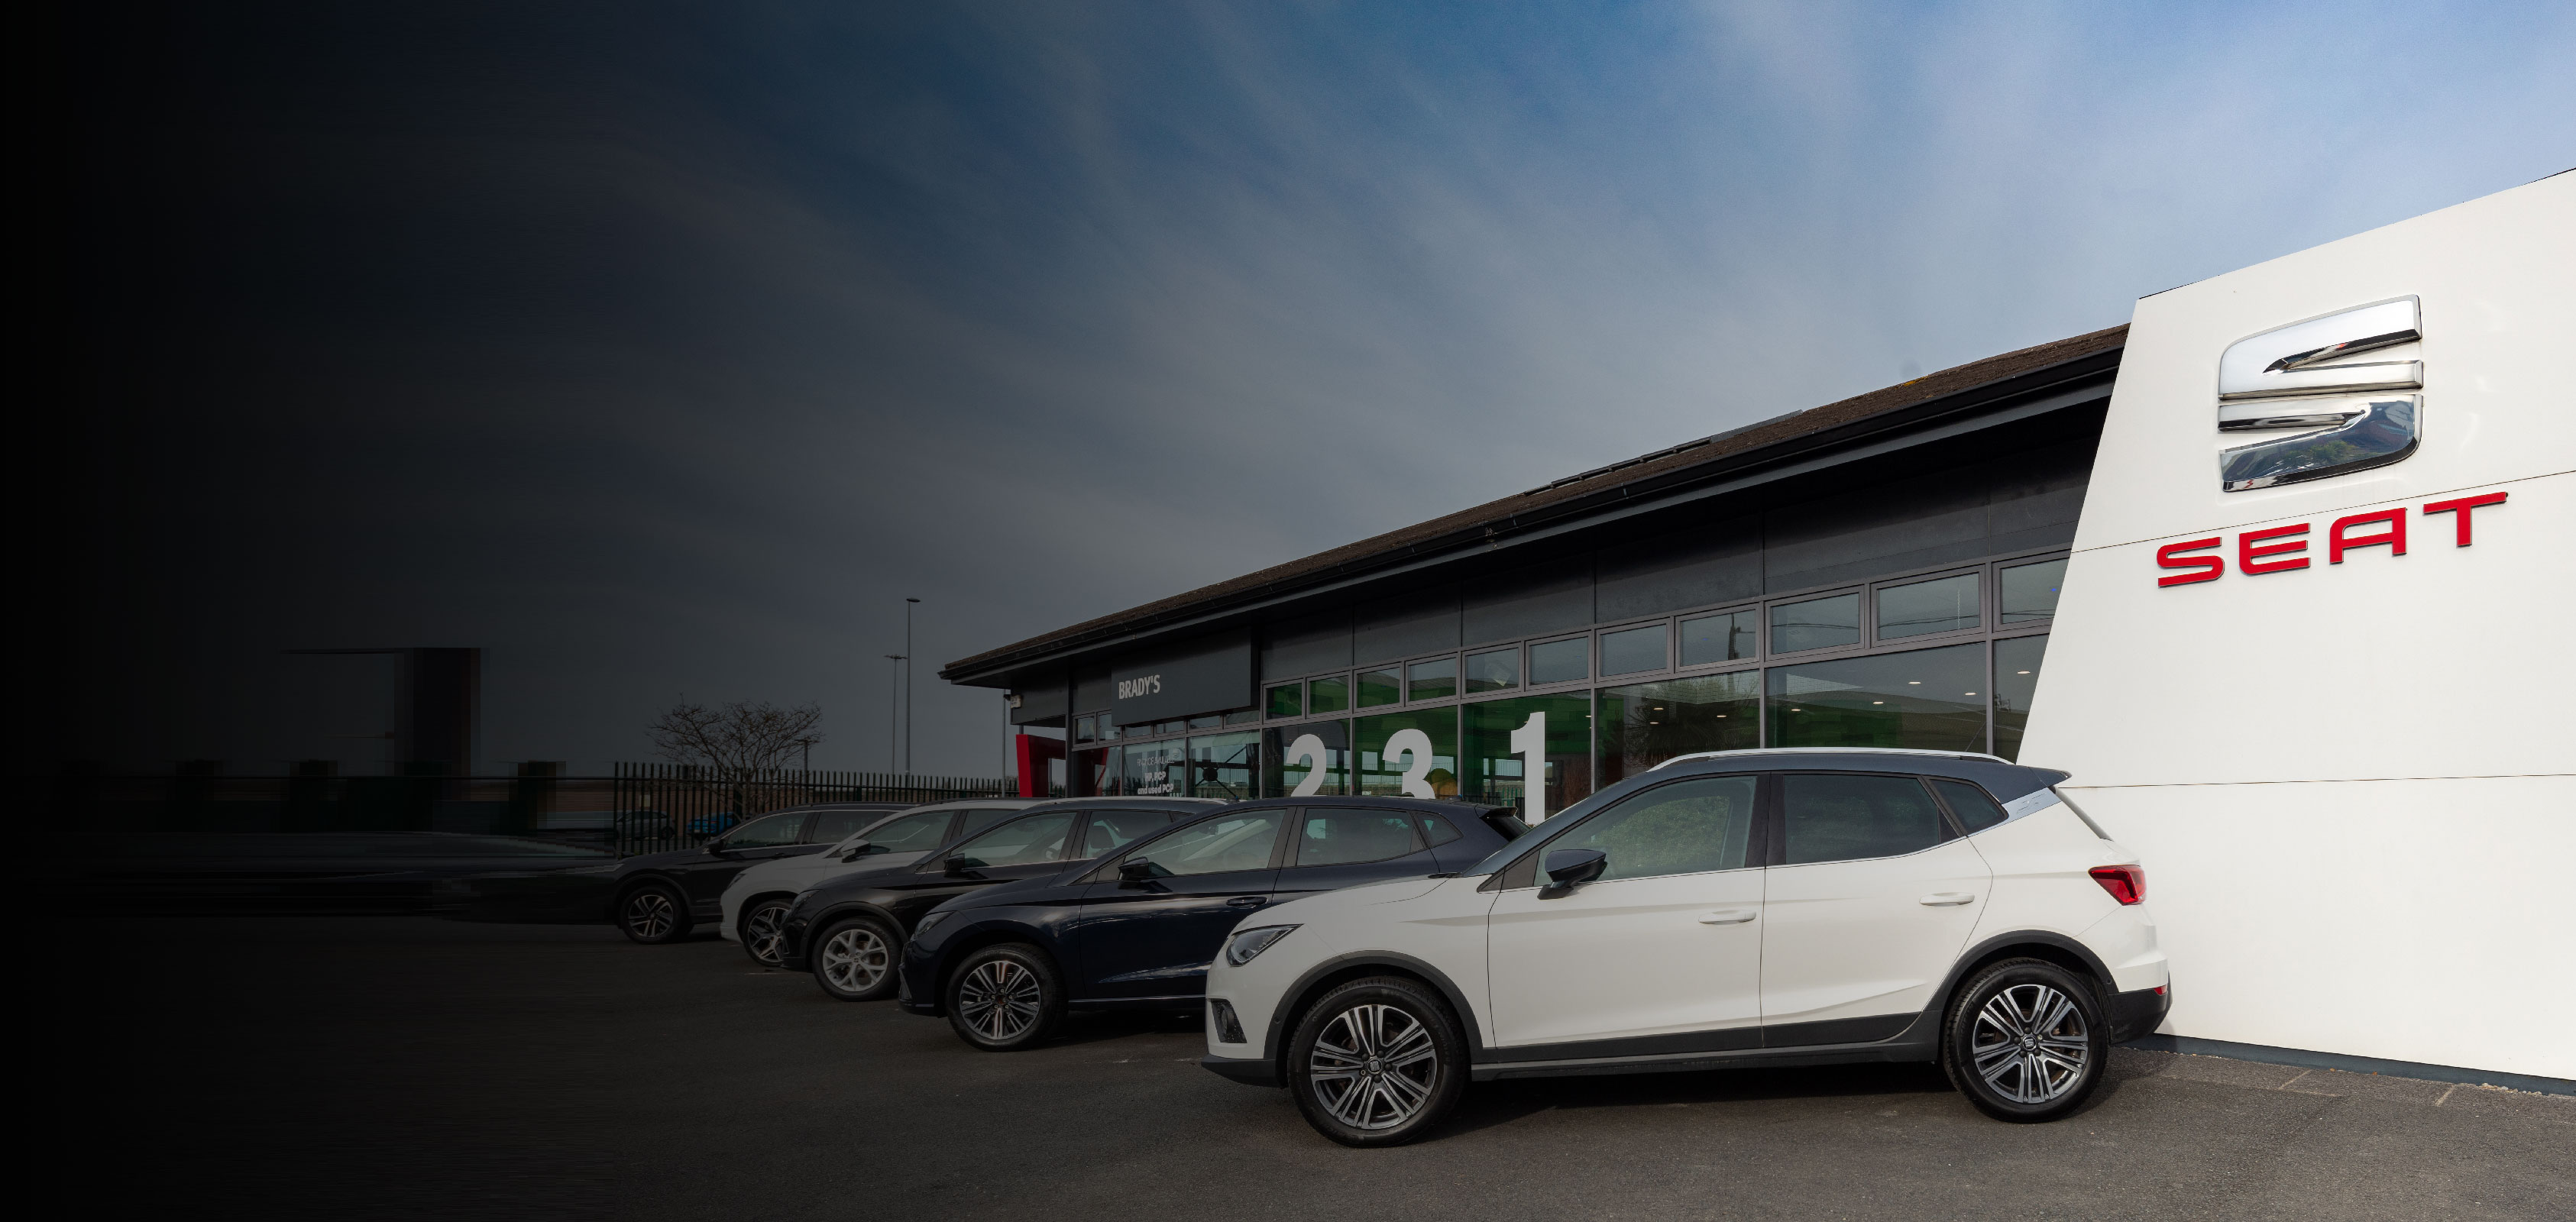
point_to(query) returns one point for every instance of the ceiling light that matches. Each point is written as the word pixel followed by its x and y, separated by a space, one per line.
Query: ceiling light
pixel 1878 702
pixel 1914 683
pixel 2021 672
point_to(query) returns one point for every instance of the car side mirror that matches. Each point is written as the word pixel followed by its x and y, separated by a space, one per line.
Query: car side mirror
pixel 715 848
pixel 1575 867
pixel 856 851
pixel 1135 871
pixel 956 864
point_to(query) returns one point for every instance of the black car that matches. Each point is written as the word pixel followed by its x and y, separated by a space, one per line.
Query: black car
pixel 1138 929
pixel 659 897
pixel 848 931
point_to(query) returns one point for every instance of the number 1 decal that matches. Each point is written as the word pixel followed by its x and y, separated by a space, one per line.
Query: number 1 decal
pixel 1530 743
pixel 1310 748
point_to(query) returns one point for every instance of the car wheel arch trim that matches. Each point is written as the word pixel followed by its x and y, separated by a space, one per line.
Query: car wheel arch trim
pixel 1315 981
pixel 2002 946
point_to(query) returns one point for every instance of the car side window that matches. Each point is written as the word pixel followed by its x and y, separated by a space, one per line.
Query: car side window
pixel 1036 839
pixel 918 833
pixel 1845 817
pixel 1213 846
pixel 1687 827
pixel 1975 807
pixel 980 817
pixel 1349 837
pixel 1439 831
pixel 1112 830
pixel 767 832
pixel 832 826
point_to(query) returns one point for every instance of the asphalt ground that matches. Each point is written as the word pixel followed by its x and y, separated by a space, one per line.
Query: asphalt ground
pixel 410 1067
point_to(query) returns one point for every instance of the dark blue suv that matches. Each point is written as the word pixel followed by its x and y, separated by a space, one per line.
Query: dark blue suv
pixel 1136 929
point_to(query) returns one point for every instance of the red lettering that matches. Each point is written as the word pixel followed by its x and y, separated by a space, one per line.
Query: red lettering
pixel 2395 536
pixel 2203 568
pixel 2247 554
pixel 2463 506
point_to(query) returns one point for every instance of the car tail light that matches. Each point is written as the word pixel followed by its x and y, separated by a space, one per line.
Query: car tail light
pixel 2127 884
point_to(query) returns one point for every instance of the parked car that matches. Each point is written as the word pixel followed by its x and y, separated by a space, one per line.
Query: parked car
pixel 756 900
pixel 659 897
pixel 849 931
pixel 1138 929
pixel 1735 909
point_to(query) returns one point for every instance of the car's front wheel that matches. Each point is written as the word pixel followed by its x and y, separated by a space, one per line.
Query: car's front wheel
pixel 854 959
pixel 1377 1062
pixel 763 929
pixel 2025 1041
pixel 654 913
pixel 1005 998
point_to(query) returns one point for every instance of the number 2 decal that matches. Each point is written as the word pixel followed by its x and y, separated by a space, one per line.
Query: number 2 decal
pixel 1309 748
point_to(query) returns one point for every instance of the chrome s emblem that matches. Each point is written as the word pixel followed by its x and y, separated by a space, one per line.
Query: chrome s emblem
pixel 2304 376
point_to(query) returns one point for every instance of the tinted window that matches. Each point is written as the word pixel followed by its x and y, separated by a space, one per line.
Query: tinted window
pixel 1493 672
pixel 831 826
pixel 1330 695
pixel 1944 604
pixel 1214 846
pixel 1561 661
pixel 1975 807
pixel 1632 651
pixel 2030 591
pixel 916 833
pixel 1832 817
pixel 1433 680
pixel 1929 698
pixel 1344 837
pixel 1379 687
pixel 1718 638
pixel 980 817
pixel 1038 838
pixel 1818 623
pixel 1687 827
pixel 1287 700
pixel 1440 830
pixel 1112 830
pixel 768 831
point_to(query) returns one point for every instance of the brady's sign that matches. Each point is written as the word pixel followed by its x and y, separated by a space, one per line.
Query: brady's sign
pixel 1208 675
pixel 2283 549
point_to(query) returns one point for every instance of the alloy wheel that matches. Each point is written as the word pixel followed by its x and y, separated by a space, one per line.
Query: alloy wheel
pixel 650 915
pixel 1374 1066
pixel 855 959
pixel 764 933
pixel 999 999
pixel 2030 1044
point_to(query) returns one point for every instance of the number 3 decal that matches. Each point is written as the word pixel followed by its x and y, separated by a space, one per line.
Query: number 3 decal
pixel 1308 748
pixel 1416 746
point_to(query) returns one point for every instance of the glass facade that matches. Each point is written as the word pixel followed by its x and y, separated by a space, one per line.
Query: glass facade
pixel 1493 671
pixel 2029 591
pixel 1412 754
pixel 1818 623
pixel 1925 698
pixel 1506 739
pixel 1710 639
pixel 2016 677
pixel 1154 770
pixel 1644 724
pixel 1313 758
pixel 1379 687
pixel 1225 766
pixel 1433 680
pixel 1331 695
pixel 1632 651
pixel 1560 661
pixel 1943 604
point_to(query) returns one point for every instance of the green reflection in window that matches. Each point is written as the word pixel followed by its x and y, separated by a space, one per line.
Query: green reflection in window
pixel 1242 717
pixel 1328 695
pixel 1929 698
pixel 1501 737
pixel 1561 661
pixel 1301 760
pixel 1436 679
pixel 1288 700
pixel 1728 637
pixel 1497 671
pixel 2016 677
pixel 1408 754
pixel 1380 687
pixel 2030 591
pixel 1224 765
pixel 1644 724
pixel 1945 604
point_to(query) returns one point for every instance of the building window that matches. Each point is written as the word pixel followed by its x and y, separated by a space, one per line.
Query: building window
pixel 1943 604
pixel 1085 729
pixel 1224 766
pixel 1506 742
pixel 1155 770
pixel 1925 698
pixel 1728 637
pixel 1288 700
pixel 1560 661
pixel 1380 687
pixel 1497 671
pixel 1644 724
pixel 1411 754
pixel 1436 679
pixel 2029 591
pixel 1817 623
pixel 2016 677
pixel 1298 761
pixel 1632 651
pixel 1328 695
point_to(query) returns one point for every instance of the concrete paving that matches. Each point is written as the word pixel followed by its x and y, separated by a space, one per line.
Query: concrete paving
pixel 398 1067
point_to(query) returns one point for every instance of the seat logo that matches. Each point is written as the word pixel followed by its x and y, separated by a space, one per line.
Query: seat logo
pixel 2313 377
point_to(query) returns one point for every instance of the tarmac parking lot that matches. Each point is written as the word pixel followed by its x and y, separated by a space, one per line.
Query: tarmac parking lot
pixel 409 1067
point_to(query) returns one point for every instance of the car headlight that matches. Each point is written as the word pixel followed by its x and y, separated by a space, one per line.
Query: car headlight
pixel 1250 942
pixel 930 920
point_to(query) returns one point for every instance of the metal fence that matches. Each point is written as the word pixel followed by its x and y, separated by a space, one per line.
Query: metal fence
pixel 658 807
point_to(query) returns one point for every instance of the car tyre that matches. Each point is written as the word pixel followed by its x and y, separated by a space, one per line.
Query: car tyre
pixel 1377 1062
pixel 1005 998
pixel 654 914
pixel 2025 1041
pixel 763 930
pixel 855 959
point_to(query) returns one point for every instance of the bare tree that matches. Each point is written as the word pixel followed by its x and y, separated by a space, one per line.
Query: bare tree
pixel 737 741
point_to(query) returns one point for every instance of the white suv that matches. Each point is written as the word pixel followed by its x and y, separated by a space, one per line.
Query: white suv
pixel 1745 908
pixel 756 898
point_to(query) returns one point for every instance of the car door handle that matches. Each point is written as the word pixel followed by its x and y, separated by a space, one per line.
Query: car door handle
pixel 1247 901
pixel 1727 916
pixel 1948 899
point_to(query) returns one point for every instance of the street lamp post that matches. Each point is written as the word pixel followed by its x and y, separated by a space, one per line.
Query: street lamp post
pixel 908 605
pixel 894 702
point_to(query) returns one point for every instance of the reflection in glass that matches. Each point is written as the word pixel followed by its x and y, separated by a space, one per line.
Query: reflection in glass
pixel 1728 637
pixel 1171 727
pixel 1089 774
pixel 1328 695
pixel 2030 591
pixel 1436 679
pixel 1154 769
pixel 1085 729
pixel 1300 760
pixel 2016 677
pixel 1208 722
pixel 1493 672
pixel 1835 817
pixel 1242 717
pixel 1561 661
pixel 1408 754
pixel 1928 698
pixel 1222 845
pixel 1818 623
pixel 1353 837
pixel 1632 651
pixel 1288 700
pixel 1943 604
pixel 1688 827
pixel 1223 765
pixel 1557 729
pixel 1380 687
pixel 1647 723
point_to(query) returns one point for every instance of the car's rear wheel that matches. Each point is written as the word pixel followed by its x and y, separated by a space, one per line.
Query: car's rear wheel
pixel 854 959
pixel 1005 998
pixel 1377 1062
pixel 654 913
pixel 2025 1041
pixel 763 929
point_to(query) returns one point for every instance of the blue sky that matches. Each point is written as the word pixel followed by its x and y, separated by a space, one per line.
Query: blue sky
pixel 663 349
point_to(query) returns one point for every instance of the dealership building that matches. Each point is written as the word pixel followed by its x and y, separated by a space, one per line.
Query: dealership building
pixel 2279 597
